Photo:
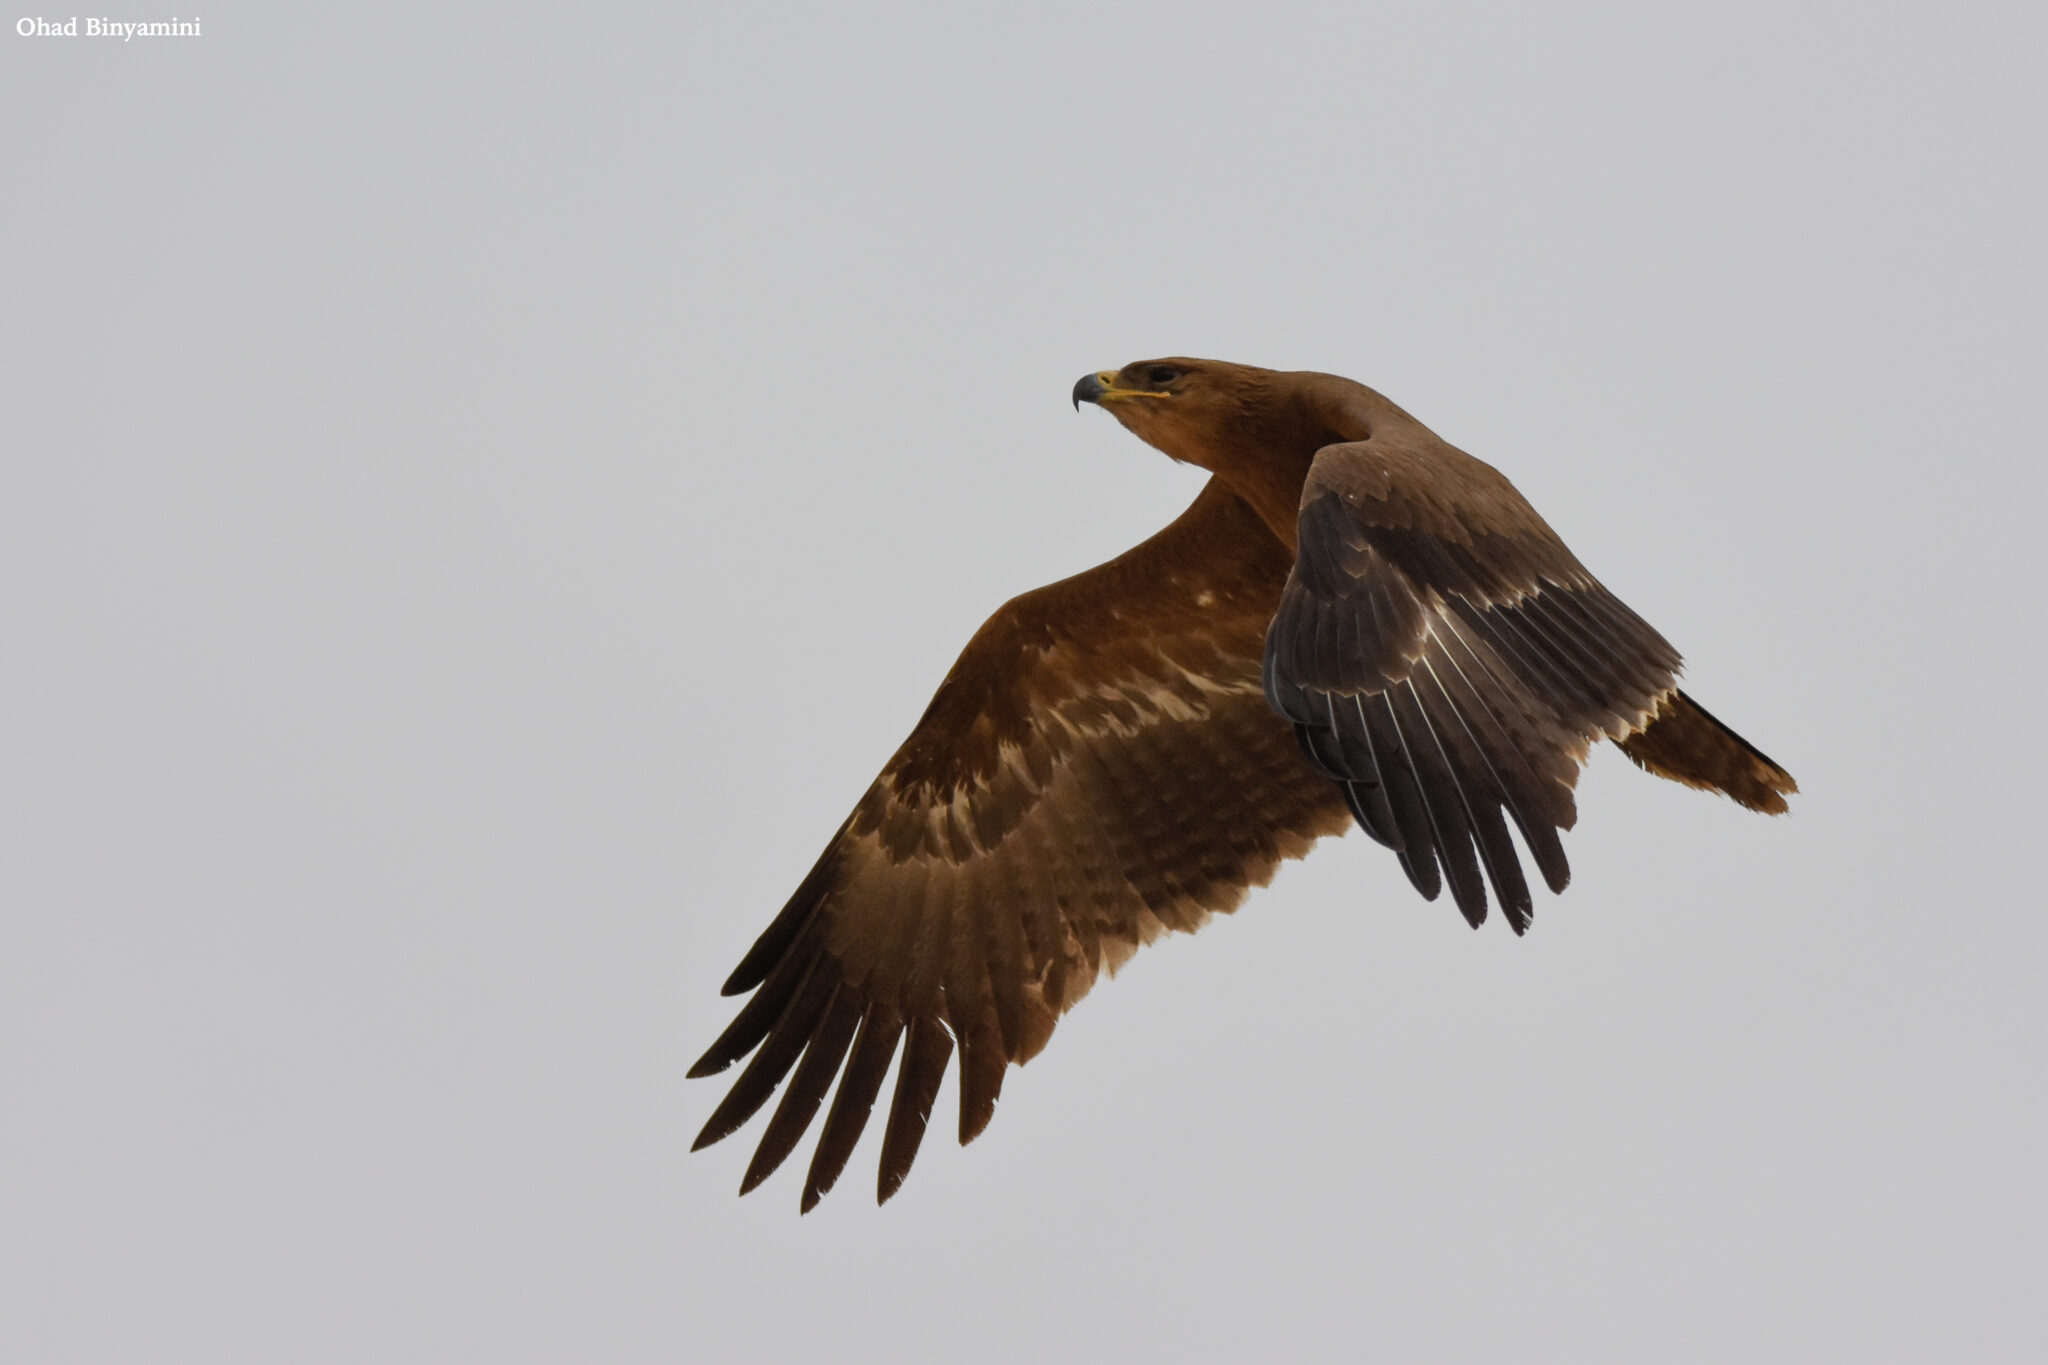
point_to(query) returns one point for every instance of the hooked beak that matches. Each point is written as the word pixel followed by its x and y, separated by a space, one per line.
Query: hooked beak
pixel 1100 388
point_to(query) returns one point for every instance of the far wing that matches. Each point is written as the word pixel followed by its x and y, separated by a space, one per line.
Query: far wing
pixel 1448 661
pixel 1099 766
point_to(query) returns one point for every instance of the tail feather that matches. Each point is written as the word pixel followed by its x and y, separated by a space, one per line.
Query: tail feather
pixel 1686 744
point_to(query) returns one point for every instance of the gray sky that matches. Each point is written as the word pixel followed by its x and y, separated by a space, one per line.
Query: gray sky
pixel 483 494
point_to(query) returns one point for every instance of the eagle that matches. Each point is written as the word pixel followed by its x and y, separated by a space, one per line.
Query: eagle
pixel 1354 622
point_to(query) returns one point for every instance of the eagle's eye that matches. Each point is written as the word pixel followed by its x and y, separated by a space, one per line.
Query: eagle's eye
pixel 1163 374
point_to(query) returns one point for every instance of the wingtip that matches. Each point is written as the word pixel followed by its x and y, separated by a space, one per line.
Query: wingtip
pixel 1422 874
pixel 974 1124
pixel 1517 904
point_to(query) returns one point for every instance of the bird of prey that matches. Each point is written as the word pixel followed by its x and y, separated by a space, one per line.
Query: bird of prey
pixel 1353 622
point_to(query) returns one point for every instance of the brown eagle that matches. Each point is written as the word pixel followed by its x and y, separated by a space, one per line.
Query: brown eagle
pixel 1354 621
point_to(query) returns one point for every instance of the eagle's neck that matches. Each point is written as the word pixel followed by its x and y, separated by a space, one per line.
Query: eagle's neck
pixel 1264 457
pixel 1270 487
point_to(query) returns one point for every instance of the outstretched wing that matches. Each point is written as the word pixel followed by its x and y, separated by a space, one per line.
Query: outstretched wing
pixel 1100 766
pixel 1446 659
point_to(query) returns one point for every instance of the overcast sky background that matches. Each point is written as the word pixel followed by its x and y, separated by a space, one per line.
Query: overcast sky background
pixel 483 494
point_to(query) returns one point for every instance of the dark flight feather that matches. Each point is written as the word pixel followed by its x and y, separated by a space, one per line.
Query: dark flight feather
pixel 917 1085
pixel 806 1091
pixel 873 1049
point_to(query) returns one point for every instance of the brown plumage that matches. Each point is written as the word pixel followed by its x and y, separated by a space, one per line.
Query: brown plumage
pixel 1111 756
